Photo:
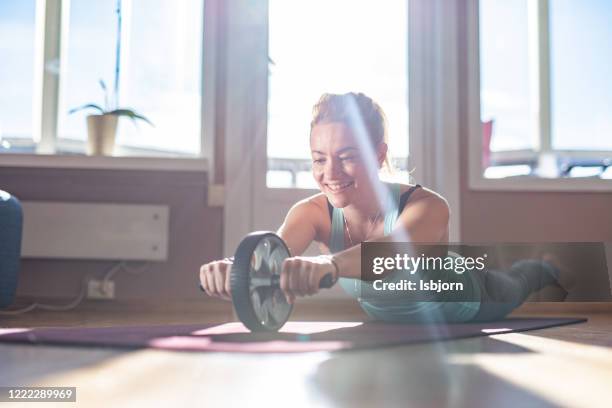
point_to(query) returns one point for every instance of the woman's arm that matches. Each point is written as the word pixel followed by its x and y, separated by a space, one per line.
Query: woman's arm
pixel 424 221
pixel 300 226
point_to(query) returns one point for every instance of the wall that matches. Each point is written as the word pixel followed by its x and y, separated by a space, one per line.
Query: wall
pixel 493 216
pixel 195 232
pixel 535 217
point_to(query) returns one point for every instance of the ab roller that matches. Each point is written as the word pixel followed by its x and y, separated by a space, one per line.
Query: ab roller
pixel 257 297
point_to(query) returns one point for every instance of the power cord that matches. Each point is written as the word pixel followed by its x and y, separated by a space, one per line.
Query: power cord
pixel 82 292
pixel 56 308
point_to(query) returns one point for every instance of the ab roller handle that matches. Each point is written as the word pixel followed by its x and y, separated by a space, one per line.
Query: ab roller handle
pixel 326 282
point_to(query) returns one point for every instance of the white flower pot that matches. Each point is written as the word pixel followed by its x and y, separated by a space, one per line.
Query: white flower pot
pixel 101 133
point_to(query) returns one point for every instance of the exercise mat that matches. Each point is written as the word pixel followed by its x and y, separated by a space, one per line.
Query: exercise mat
pixel 293 337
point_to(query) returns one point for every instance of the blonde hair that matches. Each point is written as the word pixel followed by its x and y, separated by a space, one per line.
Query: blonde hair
pixel 341 108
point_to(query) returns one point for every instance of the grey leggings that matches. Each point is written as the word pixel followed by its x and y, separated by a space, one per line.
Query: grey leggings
pixel 503 291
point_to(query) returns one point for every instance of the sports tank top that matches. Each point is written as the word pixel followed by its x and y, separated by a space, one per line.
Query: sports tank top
pixel 399 311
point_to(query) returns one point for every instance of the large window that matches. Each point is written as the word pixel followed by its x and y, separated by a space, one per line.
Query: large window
pixel 506 83
pixel 581 84
pixel 17 54
pixel 157 73
pixel 88 57
pixel 545 88
pixel 310 55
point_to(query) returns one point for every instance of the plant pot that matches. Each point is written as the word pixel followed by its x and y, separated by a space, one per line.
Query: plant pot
pixel 101 134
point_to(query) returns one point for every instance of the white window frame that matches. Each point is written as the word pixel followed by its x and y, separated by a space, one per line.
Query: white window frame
pixel 433 104
pixel 49 31
pixel 539 27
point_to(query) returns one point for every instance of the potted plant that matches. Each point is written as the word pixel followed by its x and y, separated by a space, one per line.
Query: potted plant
pixel 102 126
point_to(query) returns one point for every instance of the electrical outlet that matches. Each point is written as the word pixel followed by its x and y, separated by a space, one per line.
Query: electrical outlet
pixel 216 195
pixel 98 289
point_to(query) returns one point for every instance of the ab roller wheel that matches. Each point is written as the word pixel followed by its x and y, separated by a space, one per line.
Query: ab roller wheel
pixel 258 300
pixel 255 275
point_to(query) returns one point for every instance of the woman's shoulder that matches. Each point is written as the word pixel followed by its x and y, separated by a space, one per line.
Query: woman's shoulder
pixel 420 192
pixel 315 205
pixel 312 210
pixel 423 196
pixel 426 214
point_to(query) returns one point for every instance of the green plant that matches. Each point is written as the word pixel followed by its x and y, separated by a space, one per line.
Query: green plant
pixel 107 110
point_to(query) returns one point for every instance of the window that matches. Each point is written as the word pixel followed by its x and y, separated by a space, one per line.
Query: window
pixel 545 90
pixel 88 58
pixel 581 85
pixel 17 53
pixel 309 56
pixel 159 73
pixel 506 91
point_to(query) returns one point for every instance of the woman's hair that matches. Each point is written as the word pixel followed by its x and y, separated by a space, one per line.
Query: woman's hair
pixel 343 108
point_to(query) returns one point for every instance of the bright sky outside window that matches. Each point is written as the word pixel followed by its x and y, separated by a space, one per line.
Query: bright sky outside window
pixel 580 83
pixel 505 76
pixel 17 31
pixel 160 76
pixel 88 55
pixel 581 57
pixel 311 55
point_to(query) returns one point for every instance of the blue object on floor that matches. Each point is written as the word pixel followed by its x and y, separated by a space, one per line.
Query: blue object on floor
pixel 11 224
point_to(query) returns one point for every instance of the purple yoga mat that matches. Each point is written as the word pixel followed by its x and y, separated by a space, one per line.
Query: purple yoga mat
pixel 294 337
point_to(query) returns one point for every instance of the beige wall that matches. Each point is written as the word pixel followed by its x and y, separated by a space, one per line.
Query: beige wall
pixel 535 217
pixel 195 229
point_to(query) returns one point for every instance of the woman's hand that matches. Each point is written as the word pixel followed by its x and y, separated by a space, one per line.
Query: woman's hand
pixel 301 275
pixel 215 278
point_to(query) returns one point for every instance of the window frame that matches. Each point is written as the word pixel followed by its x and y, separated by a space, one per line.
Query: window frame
pixel 48 48
pixel 433 103
pixel 543 145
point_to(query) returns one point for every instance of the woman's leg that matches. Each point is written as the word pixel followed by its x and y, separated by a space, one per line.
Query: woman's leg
pixel 504 291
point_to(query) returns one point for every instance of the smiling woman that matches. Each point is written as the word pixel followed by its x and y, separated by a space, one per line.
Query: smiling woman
pixel 348 144
pixel 337 162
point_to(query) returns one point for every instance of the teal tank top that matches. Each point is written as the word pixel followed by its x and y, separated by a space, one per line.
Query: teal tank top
pixel 400 310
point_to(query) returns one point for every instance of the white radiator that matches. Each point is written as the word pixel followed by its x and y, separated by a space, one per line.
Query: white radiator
pixel 95 231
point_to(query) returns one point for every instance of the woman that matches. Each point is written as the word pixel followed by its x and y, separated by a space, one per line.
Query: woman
pixel 349 147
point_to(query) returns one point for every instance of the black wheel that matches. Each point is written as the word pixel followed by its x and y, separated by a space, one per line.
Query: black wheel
pixel 256 295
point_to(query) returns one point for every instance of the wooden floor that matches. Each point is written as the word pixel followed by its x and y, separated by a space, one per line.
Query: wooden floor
pixel 565 366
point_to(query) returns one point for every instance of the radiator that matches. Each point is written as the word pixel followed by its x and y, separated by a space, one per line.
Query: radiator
pixel 95 231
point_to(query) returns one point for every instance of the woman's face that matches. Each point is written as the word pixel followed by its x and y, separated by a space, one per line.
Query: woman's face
pixel 339 165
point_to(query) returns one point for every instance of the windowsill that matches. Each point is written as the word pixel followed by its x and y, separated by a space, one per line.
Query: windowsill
pixel 547 172
pixel 539 184
pixel 103 162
